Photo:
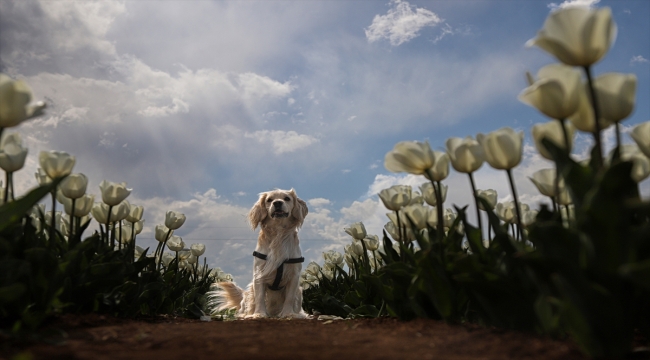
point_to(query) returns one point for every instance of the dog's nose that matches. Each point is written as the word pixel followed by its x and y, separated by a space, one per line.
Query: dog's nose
pixel 277 204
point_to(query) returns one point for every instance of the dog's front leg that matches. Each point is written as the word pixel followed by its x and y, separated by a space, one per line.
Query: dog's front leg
pixel 259 299
pixel 292 295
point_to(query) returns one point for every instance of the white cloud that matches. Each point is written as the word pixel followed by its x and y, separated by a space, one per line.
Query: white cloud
pixel 638 59
pixel 401 24
pixel 318 202
pixel 282 141
pixel 573 3
pixel 93 17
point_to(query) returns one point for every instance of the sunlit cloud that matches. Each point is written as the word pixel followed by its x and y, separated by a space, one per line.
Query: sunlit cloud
pixel 401 24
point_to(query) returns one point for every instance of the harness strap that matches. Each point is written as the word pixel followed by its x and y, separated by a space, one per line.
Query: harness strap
pixel 280 271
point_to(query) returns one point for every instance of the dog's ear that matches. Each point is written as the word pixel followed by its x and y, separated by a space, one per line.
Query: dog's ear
pixel 258 212
pixel 299 209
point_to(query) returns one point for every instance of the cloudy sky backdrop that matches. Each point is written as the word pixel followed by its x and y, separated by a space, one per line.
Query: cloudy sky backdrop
pixel 201 105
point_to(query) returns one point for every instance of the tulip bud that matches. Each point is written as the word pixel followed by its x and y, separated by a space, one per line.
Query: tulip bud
pixel 313 269
pixel 15 98
pixel 160 233
pixel 100 212
pixel 125 234
pixel 641 135
pixel 489 195
pixel 74 186
pixel 466 154
pixel 56 164
pixel 42 178
pixel 175 243
pixel 135 213
pixel 12 153
pixel 417 216
pixel 395 197
pixel 577 36
pixel 503 148
pixel 138 226
pixel 557 92
pixel 372 242
pixel 411 157
pixel 113 193
pixel 174 220
pixel 197 249
pixel 553 132
pixel 615 93
pixel 82 206
pixel 440 169
pixel 641 163
pixel 357 231
pixel 119 212
pixel 429 195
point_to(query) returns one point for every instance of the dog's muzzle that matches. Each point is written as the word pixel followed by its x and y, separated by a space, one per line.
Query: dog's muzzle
pixel 277 210
pixel 279 214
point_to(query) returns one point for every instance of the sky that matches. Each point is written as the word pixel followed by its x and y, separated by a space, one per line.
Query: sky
pixel 201 105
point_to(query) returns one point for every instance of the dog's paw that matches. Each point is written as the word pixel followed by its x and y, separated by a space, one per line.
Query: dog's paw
pixel 292 315
pixel 256 316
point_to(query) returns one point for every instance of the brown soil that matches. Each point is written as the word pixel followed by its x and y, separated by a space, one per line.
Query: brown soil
pixel 103 337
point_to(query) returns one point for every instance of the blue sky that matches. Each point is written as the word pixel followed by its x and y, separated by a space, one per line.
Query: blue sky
pixel 201 105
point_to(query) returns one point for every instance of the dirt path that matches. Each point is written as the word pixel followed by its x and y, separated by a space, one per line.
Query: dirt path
pixel 103 337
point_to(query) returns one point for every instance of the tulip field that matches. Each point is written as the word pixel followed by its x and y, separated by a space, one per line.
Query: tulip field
pixel 576 269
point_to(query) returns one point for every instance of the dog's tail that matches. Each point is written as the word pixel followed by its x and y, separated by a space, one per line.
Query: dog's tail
pixel 227 296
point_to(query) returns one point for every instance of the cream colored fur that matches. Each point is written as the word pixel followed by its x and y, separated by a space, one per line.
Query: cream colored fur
pixel 278 240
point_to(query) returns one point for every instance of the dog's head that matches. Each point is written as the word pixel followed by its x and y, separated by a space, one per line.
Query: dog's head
pixel 278 205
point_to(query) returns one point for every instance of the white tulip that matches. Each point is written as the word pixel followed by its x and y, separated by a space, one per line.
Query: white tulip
pixel 490 195
pixel 395 197
pixel 357 231
pixel 74 186
pixel 503 148
pixel 197 249
pixel 641 135
pixel 577 36
pixel 556 93
pixel 411 157
pixel 174 220
pixel 466 154
pixel 56 164
pixel 15 99
pixel 615 93
pixel 175 243
pixel 113 193
pixel 553 132
pixel 12 153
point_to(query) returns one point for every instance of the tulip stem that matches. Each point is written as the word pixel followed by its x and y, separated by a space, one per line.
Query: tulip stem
pixel 71 230
pixel 516 200
pixel 618 134
pixel 565 133
pixel 6 193
pixel 162 249
pixel 478 211
pixel 439 207
pixel 594 104
pixel 53 218
pixel 119 245
pixel 108 221
pixel 132 247
pixel 399 234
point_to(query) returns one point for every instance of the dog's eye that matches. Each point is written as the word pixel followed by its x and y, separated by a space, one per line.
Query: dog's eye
pixel 269 200
pixel 286 198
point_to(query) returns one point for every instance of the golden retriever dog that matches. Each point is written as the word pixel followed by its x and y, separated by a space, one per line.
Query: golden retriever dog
pixel 275 290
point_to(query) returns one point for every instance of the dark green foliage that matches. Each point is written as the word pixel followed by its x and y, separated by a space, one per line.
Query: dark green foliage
pixel 40 277
pixel 588 279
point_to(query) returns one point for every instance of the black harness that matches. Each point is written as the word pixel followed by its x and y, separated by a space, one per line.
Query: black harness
pixel 278 274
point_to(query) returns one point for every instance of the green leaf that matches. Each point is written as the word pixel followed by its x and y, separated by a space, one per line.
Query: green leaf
pixel 11 212
pixel 11 293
